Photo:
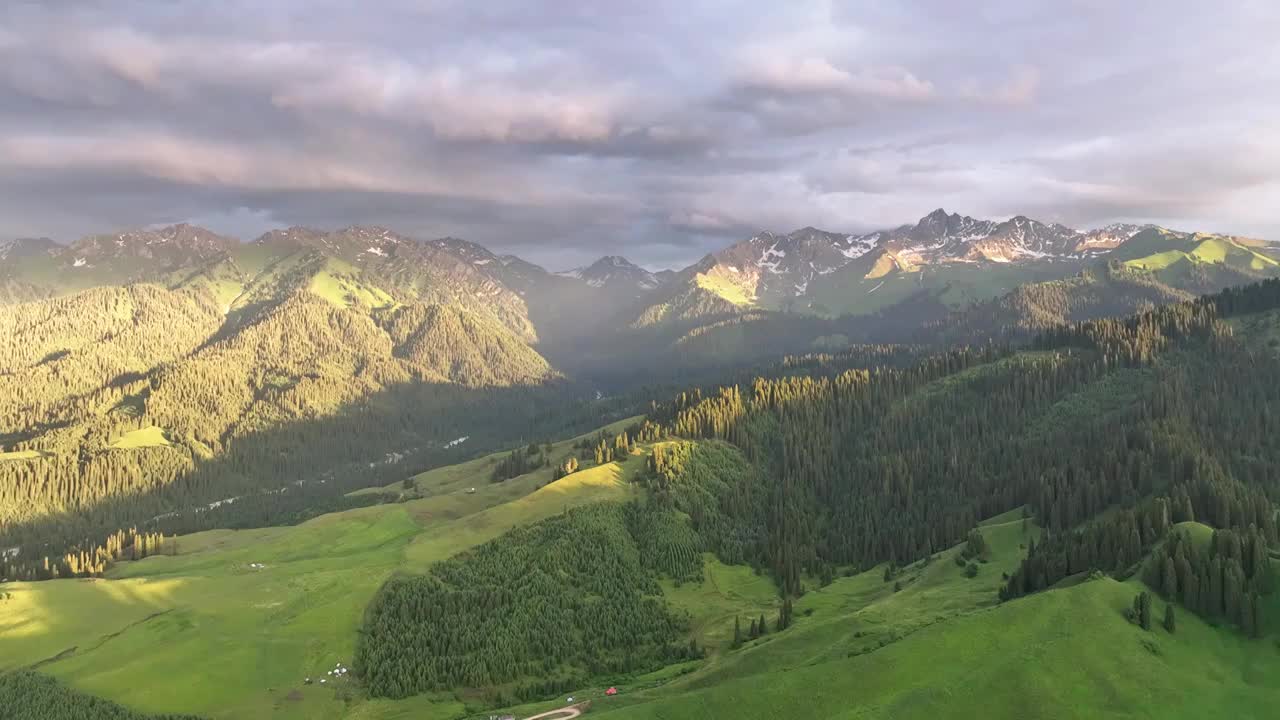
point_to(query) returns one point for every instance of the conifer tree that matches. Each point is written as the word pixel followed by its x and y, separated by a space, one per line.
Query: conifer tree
pixel 1170 580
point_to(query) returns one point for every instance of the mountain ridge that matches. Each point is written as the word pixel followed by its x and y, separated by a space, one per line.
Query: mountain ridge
pixel 584 318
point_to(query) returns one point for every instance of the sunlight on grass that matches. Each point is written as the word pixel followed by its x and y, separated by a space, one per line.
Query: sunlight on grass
pixel 146 437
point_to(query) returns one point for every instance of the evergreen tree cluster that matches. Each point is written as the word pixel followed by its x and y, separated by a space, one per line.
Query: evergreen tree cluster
pixel 92 562
pixel 891 464
pixel 1114 544
pixel 520 461
pixel 1140 613
pixel 564 600
pixel 723 495
pixel 29 695
pixel 1224 581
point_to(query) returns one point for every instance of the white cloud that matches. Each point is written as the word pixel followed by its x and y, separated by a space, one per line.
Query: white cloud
pixel 765 71
pixel 535 125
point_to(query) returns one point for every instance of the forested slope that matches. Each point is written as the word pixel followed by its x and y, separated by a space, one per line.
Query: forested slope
pixel 889 465
pixel 121 404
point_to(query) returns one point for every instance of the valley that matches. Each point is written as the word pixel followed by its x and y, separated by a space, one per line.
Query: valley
pixel 237 466
pixel 639 361
pixel 862 619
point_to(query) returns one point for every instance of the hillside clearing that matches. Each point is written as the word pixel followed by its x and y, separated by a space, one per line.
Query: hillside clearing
pixel 151 436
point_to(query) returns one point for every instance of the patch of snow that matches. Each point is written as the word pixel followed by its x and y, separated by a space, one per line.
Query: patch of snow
pixel 802 287
pixel 767 259
pixel 80 262
pixel 459 441
pixel 482 261
pixel 859 246
pixel 374 250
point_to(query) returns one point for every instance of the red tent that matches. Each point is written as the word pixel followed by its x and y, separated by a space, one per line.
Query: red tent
pixel 611 691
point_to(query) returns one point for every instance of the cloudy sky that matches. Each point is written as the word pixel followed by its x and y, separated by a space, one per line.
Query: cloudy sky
pixel 658 128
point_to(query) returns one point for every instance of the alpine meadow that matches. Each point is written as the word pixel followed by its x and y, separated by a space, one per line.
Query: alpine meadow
pixel 397 360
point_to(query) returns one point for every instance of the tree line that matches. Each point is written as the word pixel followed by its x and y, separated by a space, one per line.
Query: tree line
pixel 892 464
pixel 564 600
pixel 29 695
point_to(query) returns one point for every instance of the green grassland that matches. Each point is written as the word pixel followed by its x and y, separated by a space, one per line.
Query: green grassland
pixel 956 285
pixel 1163 252
pixel 230 625
pixel 726 592
pixel 475 473
pixel 254 273
pixel 1068 653
pixel 338 282
pixel 942 647
pixel 205 631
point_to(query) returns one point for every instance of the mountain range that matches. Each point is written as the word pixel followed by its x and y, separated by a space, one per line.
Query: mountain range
pixel 826 450
pixel 861 287
pixel 922 272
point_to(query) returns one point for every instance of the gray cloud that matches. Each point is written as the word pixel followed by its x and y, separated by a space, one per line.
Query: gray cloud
pixel 660 130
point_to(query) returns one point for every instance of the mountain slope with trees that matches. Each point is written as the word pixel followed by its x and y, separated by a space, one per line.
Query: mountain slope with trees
pixel 922 522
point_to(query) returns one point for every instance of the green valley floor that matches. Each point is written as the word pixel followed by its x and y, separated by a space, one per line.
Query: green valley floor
pixel 233 624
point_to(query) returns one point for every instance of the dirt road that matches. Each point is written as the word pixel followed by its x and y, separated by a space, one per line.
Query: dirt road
pixel 566 713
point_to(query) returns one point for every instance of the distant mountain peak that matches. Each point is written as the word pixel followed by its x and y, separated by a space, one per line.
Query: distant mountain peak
pixel 171 245
pixel 614 271
pixel 22 248
pixel 774 269
pixel 614 261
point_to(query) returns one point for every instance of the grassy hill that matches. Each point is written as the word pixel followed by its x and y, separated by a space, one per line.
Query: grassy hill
pixel 234 641
pixel 145 367
pixel 236 620
pixel 1195 261
pixel 855 291
pixel 789 497
pixel 1068 653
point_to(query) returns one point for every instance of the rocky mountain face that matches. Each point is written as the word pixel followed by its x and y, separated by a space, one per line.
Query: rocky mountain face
pixel 808 270
pixel 147 251
pixel 941 237
pixel 14 251
pixel 770 269
pixel 1100 240
pixel 615 273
